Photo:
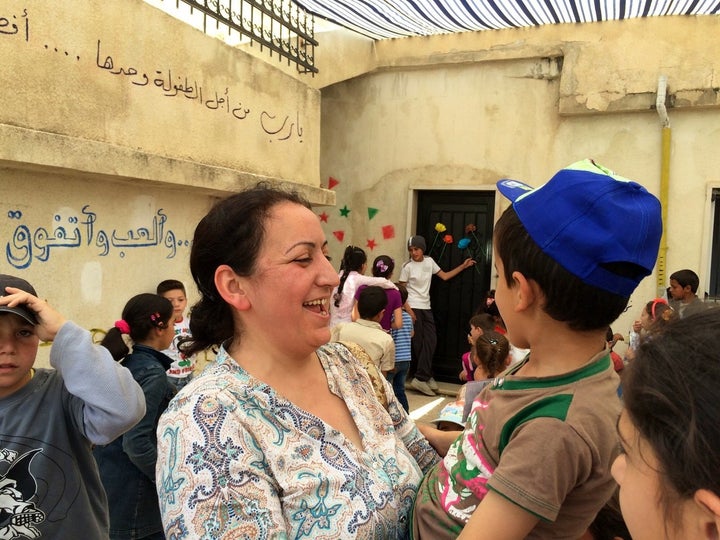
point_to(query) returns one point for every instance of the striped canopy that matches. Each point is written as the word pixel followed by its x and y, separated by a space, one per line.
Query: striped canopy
pixel 380 19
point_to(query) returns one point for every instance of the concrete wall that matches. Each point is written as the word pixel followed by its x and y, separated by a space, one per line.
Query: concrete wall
pixel 461 111
pixel 119 127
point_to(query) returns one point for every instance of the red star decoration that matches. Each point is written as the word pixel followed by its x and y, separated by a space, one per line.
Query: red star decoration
pixel 323 217
pixel 332 182
pixel 339 235
pixel 371 244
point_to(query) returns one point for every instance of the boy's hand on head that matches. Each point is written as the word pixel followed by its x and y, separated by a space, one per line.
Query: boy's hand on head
pixel 49 320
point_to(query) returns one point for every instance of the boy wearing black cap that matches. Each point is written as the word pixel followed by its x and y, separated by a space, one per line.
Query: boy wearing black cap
pixel 534 458
pixel 50 418
pixel 416 274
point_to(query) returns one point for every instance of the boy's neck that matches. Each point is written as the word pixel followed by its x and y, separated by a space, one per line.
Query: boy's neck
pixel 561 352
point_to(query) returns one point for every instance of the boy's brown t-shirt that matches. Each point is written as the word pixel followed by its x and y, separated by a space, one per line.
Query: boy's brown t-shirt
pixel 545 444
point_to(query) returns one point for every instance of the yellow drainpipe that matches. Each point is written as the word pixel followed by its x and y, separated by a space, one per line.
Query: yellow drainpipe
pixel 664 181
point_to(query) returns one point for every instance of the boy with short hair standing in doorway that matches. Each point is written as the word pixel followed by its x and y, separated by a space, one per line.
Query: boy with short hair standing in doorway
pixel 416 275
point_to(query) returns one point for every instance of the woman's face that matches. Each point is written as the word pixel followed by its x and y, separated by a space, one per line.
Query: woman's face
pixel 636 472
pixel 290 289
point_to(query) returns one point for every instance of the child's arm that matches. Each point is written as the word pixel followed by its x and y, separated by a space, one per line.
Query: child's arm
pixel 112 400
pixel 438 439
pixel 467 263
pixel 397 319
pixel 377 281
pixel 496 518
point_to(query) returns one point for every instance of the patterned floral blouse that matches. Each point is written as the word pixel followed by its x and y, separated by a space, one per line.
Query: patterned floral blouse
pixel 237 460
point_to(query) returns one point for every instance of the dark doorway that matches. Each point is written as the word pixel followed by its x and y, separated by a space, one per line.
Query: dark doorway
pixel 454 302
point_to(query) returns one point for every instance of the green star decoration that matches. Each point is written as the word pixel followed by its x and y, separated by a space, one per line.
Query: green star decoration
pixel 344 211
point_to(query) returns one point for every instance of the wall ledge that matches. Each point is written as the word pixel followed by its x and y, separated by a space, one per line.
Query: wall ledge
pixel 29 149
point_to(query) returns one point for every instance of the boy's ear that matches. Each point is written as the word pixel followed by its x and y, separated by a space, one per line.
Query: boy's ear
pixel 232 287
pixel 709 503
pixel 525 290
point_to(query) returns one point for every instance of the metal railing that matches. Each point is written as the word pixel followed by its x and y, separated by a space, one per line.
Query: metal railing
pixel 281 26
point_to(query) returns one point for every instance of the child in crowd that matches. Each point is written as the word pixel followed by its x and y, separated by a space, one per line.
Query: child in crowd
pixel 367 332
pixel 402 337
pixel 352 275
pixel 683 292
pixel 416 275
pixel 50 418
pixel 383 267
pixel 450 418
pixel 127 464
pixel 479 324
pixel 533 460
pixel 669 468
pixel 654 318
pixel 182 368
pixel 492 357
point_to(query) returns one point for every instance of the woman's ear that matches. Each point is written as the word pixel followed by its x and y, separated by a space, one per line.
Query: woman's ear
pixel 709 503
pixel 231 287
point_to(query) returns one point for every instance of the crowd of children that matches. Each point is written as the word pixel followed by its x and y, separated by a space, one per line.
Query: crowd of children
pixel 529 448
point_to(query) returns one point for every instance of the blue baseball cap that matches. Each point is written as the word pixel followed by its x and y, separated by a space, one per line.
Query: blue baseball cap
pixel 588 219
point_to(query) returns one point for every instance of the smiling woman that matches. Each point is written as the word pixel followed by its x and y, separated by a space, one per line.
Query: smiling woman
pixel 270 439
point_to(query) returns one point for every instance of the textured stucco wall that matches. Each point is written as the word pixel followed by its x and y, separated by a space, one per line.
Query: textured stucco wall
pixel 464 110
pixel 119 127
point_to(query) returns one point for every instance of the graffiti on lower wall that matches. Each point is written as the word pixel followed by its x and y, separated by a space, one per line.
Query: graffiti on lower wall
pixel 26 245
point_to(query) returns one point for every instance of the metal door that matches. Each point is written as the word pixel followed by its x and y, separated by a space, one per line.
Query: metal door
pixel 467 217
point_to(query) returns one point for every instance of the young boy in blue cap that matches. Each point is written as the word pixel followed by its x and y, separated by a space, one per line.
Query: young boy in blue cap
pixel 534 458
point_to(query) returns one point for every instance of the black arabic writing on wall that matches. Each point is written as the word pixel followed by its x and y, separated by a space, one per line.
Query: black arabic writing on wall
pixel 277 127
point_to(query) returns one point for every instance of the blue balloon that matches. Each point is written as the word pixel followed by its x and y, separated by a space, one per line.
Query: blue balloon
pixel 463 243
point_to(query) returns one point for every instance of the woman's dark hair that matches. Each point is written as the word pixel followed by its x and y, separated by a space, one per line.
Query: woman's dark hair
pixel 232 233
pixel 352 261
pixel 142 313
pixel 567 298
pixel 383 266
pixel 491 352
pixel 670 396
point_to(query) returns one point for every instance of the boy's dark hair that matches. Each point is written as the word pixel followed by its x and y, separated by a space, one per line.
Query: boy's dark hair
pixel 670 396
pixel 484 321
pixel 403 292
pixel 371 301
pixel 687 277
pixel 170 285
pixel 567 298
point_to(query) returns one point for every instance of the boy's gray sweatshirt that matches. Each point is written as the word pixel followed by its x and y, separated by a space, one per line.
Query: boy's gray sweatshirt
pixel 49 483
